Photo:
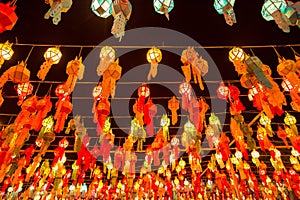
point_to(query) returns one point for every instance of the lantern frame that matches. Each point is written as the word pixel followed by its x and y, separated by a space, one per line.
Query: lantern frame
pixel 6 52
pixel 53 54
pixel 154 55
pixel 102 8
pixel 236 54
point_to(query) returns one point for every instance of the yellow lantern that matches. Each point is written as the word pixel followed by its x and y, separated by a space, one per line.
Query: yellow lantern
pixel 238 155
pixel 237 56
pixel 182 163
pixel 52 56
pixel 107 56
pixel 290 120
pixel 266 122
pixel 154 56
pixel 6 52
pixel 176 181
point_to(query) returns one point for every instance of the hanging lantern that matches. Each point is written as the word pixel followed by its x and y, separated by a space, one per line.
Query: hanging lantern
pixel 102 8
pixel 273 10
pixel 163 7
pixel 292 13
pixel 185 89
pixel 121 11
pixel 75 70
pixel 225 7
pixel 290 120
pixel 286 85
pixel 8 17
pixel 255 155
pixel 154 56
pixel 266 122
pixel 223 91
pixel 173 105
pixel 56 8
pixel 237 57
pixel 6 52
pixel 165 123
pixel 23 90
pixel 107 56
pixel 52 56
pixel 110 77
pixel 238 155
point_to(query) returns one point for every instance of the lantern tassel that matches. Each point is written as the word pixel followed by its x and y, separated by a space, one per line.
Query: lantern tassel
pixel 153 71
pixel 118 28
pixel 44 69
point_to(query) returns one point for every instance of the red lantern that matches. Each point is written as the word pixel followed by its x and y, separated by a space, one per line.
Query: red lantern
pixel 8 17
pixel 185 89
pixel 23 90
pixel 143 93
pixel 223 91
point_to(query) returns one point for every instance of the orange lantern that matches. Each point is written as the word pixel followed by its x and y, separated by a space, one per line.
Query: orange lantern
pixel 8 17
pixel 23 90
pixel 173 105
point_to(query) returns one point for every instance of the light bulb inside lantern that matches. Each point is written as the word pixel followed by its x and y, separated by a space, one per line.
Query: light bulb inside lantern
pixel 53 54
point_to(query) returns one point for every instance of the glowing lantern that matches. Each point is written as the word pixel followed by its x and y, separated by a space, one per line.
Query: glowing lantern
pixel 237 57
pixel 121 11
pixel 102 8
pixel 286 85
pixel 6 52
pixel 290 120
pixel 154 56
pixel 185 89
pixel 107 56
pixel 8 16
pixel 266 122
pixel 182 163
pixel 294 152
pixel 23 90
pixel 52 56
pixel 273 10
pixel 173 105
pixel 238 155
pixel 165 123
pixel 75 70
pixel 255 155
pixel 163 6
pixel 225 7
pixel 223 91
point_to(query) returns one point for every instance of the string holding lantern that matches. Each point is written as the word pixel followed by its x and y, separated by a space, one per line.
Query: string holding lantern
pixel 23 90
pixel 56 8
pixel 6 52
pixel 107 56
pixel 121 12
pixel 274 10
pixel 63 108
pixel 102 8
pixel 8 16
pixel 163 7
pixel 154 56
pixel 173 105
pixel 225 7
pixel 75 69
pixel 52 56
pixel 110 76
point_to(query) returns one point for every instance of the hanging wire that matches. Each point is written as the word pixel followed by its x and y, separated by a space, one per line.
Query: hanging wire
pixel 29 54
pixel 37 89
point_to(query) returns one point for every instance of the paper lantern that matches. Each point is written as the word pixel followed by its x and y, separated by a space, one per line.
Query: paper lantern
pixel 6 52
pixel 56 8
pixel 273 10
pixel 19 73
pixel 225 7
pixel 173 105
pixel 23 90
pixel 75 70
pixel 163 6
pixel 8 17
pixel 185 89
pixel 290 120
pixel 52 56
pixel 236 54
pixel 102 8
pixel 107 56
pixel 238 155
pixel 266 122
pixel 154 56
pixel 292 13
pixel 121 11
pixel 223 91
pixel 144 91
pixel 286 85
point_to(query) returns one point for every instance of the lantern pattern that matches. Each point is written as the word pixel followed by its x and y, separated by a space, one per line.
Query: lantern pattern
pixel 274 10
pixel 195 64
pixel 292 13
pixel 107 56
pixel 225 7
pixel 163 7
pixel 237 56
pixel 52 56
pixel 102 8
pixel 23 90
pixel 75 70
pixel 154 56
pixel 56 8
pixel 8 16
pixel 6 52
pixel 121 11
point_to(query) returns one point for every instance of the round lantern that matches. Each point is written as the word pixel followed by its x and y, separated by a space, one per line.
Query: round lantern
pixel 97 92
pixel 107 51
pixel 60 92
pixel 238 155
pixel 6 51
pixel 154 55
pixel 23 90
pixel 289 119
pixel 236 54
pixel 64 143
pixel 102 8
pixel 255 154
pixel 185 88
pixel 144 91
pixel 294 152
pixel 53 54
pixel 223 91
pixel 264 119
pixel 163 6
pixel 182 163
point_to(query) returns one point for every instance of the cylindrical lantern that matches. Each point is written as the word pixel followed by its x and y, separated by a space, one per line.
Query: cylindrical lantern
pixel 53 55
pixel 163 6
pixel 154 56
pixel 102 8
